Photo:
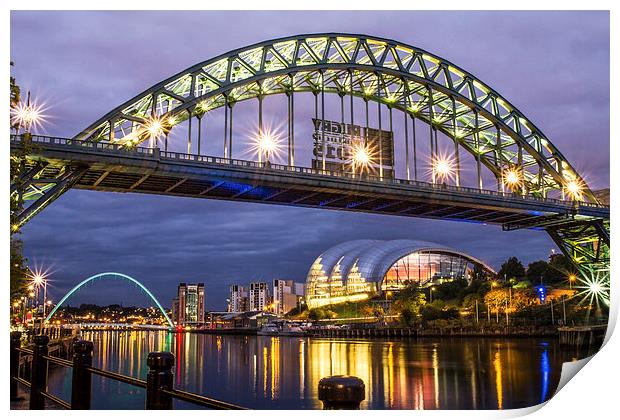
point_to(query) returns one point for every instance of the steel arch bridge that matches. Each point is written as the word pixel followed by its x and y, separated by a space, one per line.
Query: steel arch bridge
pixel 103 275
pixel 533 185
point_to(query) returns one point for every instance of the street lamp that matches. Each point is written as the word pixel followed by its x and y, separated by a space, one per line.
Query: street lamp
pixel 574 189
pixel 27 115
pixel 571 279
pixel 512 178
pixel 431 290
pixel 361 157
pixel 267 144
pixel 39 279
pixel 155 129
pixel 443 169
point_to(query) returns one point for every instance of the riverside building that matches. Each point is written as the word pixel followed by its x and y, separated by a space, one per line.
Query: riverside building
pixel 355 270
pixel 189 306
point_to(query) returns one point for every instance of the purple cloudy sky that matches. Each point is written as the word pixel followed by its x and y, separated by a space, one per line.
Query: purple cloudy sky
pixel 554 66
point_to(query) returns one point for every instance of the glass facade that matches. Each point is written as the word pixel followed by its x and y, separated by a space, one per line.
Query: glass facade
pixel 355 270
pixel 424 268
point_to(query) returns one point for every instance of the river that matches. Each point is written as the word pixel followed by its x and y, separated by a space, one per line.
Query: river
pixel 283 372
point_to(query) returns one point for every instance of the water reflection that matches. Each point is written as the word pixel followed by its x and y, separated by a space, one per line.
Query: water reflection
pixel 283 372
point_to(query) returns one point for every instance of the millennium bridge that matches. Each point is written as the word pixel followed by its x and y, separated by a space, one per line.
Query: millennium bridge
pixel 396 130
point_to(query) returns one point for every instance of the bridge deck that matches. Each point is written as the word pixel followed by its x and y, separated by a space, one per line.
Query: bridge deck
pixel 152 171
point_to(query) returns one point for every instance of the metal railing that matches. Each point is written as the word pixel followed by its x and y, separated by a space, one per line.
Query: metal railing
pixel 160 392
pixel 214 160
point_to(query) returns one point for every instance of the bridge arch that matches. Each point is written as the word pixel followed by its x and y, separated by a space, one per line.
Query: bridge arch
pixel 102 275
pixel 402 77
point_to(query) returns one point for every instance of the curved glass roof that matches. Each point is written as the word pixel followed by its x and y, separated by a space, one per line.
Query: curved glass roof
pixel 373 258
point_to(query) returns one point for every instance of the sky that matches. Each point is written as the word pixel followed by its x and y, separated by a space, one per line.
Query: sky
pixel 553 66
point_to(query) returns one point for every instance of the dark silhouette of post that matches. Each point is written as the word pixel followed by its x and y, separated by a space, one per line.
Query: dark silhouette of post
pixel 81 376
pixel 14 359
pixel 341 392
pixel 38 382
pixel 159 377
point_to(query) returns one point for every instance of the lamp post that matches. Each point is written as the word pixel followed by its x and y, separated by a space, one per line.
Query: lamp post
pixel 38 280
pixel 571 280
pixel 431 293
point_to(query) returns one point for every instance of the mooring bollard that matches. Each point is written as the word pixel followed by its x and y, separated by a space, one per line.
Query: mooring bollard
pixel 38 382
pixel 81 377
pixel 14 359
pixel 159 377
pixel 341 392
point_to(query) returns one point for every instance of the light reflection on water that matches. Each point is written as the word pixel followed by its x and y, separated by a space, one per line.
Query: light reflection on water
pixel 283 372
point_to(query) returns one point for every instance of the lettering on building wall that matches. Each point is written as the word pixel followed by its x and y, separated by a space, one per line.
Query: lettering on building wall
pixel 338 141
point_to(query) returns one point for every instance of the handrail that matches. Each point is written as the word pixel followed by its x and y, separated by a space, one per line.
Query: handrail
pixel 174 393
pixel 57 400
pixel 118 377
pixel 152 152
pixel 201 400
pixel 59 361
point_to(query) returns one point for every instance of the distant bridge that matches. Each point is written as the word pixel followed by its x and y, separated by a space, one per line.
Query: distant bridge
pixel 534 185
pixel 103 276
pixel 113 326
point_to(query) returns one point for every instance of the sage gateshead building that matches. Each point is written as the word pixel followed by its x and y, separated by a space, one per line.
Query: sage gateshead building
pixel 356 270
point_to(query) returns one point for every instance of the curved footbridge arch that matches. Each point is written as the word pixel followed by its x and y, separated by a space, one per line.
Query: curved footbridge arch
pixel 103 275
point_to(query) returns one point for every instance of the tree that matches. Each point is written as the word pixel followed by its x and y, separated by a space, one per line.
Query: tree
pixel 19 270
pixel 469 301
pixel 479 274
pixel 537 271
pixel 450 290
pixel 559 269
pixel 496 299
pixel 367 311
pixel 512 268
pixel 410 298
pixel 408 317
pixel 316 313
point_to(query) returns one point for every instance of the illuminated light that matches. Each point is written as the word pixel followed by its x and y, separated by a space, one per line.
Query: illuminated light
pixel 267 145
pixel 15 304
pixel 172 120
pixel 574 189
pixel 28 115
pixel 361 156
pixel 155 128
pixel 442 168
pixel 14 228
pixel 594 286
pixel 512 177
pixel 38 276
